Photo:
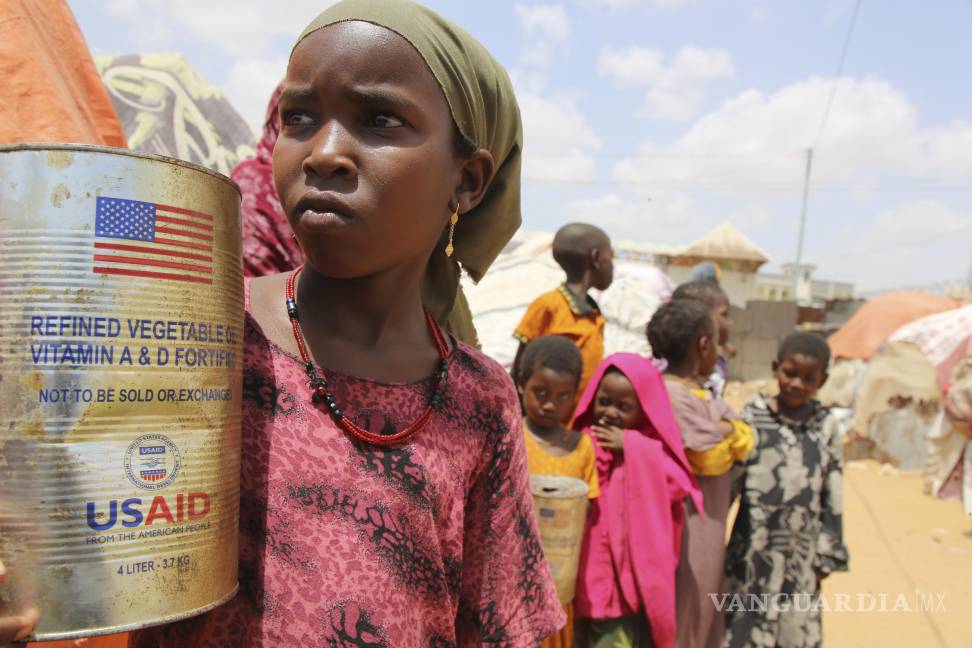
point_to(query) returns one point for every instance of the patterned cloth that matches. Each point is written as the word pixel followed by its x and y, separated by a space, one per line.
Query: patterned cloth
pixel 945 339
pixel 561 312
pixel 268 242
pixel 788 533
pixel 432 543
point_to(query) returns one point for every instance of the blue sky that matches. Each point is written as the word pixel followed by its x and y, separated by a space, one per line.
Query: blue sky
pixel 660 119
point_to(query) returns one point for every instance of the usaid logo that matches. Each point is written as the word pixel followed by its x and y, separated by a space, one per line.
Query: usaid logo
pixel 152 461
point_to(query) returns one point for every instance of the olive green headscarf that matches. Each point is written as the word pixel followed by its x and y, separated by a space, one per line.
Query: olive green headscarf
pixel 483 105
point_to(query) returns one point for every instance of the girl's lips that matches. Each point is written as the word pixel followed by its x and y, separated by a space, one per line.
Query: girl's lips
pixel 322 219
pixel 323 210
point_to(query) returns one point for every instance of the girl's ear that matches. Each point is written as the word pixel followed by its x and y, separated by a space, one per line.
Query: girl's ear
pixel 475 174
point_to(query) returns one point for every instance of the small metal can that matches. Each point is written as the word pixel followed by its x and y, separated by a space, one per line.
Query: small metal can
pixel 121 315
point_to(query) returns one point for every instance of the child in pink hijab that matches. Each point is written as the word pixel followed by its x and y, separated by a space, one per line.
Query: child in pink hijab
pixel 626 579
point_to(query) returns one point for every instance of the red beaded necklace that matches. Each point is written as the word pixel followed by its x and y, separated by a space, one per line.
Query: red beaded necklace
pixel 320 392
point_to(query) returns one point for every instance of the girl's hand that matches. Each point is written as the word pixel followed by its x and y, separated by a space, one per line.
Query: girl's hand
pixel 609 437
pixel 14 629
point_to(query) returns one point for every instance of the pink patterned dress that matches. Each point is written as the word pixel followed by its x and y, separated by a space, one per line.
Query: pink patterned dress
pixel 432 543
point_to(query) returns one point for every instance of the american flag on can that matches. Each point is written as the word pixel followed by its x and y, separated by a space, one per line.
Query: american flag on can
pixel 144 239
pixel 153 475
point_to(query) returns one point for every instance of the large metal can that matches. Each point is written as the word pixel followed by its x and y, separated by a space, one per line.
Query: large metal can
pixel 121 314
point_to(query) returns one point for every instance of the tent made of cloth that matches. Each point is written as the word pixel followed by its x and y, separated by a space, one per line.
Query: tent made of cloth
pixel 944 338
pixel 168 108
pixel 897 402
pixel 51 88
pixel 876 320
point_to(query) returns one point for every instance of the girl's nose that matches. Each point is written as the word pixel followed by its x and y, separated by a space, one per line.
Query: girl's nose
pixel 331 154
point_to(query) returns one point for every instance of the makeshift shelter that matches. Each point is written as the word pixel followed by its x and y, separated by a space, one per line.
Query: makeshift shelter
pixel 896 404
pixel 877 319
pixel 945 339
pixel 738 259
pixel 168 108
pixel 526 269
pixel 51 88
pixel 899 405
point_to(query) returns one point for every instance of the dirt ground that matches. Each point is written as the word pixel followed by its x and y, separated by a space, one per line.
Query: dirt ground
pixel 914 549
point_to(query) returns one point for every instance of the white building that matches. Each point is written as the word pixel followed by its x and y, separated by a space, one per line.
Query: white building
pixel 809 291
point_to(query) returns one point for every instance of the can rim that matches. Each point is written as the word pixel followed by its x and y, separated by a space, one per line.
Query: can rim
pixel 131 627
pixel 112 150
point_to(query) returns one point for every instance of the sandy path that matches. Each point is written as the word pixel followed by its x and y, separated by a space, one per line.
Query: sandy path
pixel 901 540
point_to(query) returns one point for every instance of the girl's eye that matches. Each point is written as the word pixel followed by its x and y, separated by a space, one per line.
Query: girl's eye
pixel 296 118
pixel 385 120
pixel 541 393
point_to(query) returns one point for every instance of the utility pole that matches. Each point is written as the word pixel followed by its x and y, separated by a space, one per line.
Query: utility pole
pixel 798 268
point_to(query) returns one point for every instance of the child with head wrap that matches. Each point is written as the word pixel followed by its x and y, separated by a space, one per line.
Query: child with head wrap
pixel 384 489
pixel 626 578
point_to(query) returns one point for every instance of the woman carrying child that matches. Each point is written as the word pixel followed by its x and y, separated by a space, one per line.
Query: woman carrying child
pixel 549 373
pixel 385 498
pixel 626 582
pixel 685 335
pixel 788 534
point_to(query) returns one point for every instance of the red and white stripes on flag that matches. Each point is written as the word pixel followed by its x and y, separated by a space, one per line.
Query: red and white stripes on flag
pixel 150 240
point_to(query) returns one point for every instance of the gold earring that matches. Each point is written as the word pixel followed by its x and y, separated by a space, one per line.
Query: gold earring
pixel 452 230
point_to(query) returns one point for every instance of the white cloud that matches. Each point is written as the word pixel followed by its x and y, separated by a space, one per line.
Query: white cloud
pixel 676 89
pixel 914 243
pixel 878 214
pixel 616 5
pixel 663 217
pixel 239 27
pixel 250 83
pixel 546 30
pixel 557 139
pixel 755 143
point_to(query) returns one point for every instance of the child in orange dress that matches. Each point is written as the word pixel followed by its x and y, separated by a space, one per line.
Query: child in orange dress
pixel 549 375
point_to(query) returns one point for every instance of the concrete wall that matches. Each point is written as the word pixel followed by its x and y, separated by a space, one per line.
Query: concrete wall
pixel 757 333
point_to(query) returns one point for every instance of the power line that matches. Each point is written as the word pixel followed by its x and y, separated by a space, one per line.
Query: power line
pixel 840 70
pixel 854 255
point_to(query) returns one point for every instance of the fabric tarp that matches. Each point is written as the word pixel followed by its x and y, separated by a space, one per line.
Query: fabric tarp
pixel 868 329
pixel 51 89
